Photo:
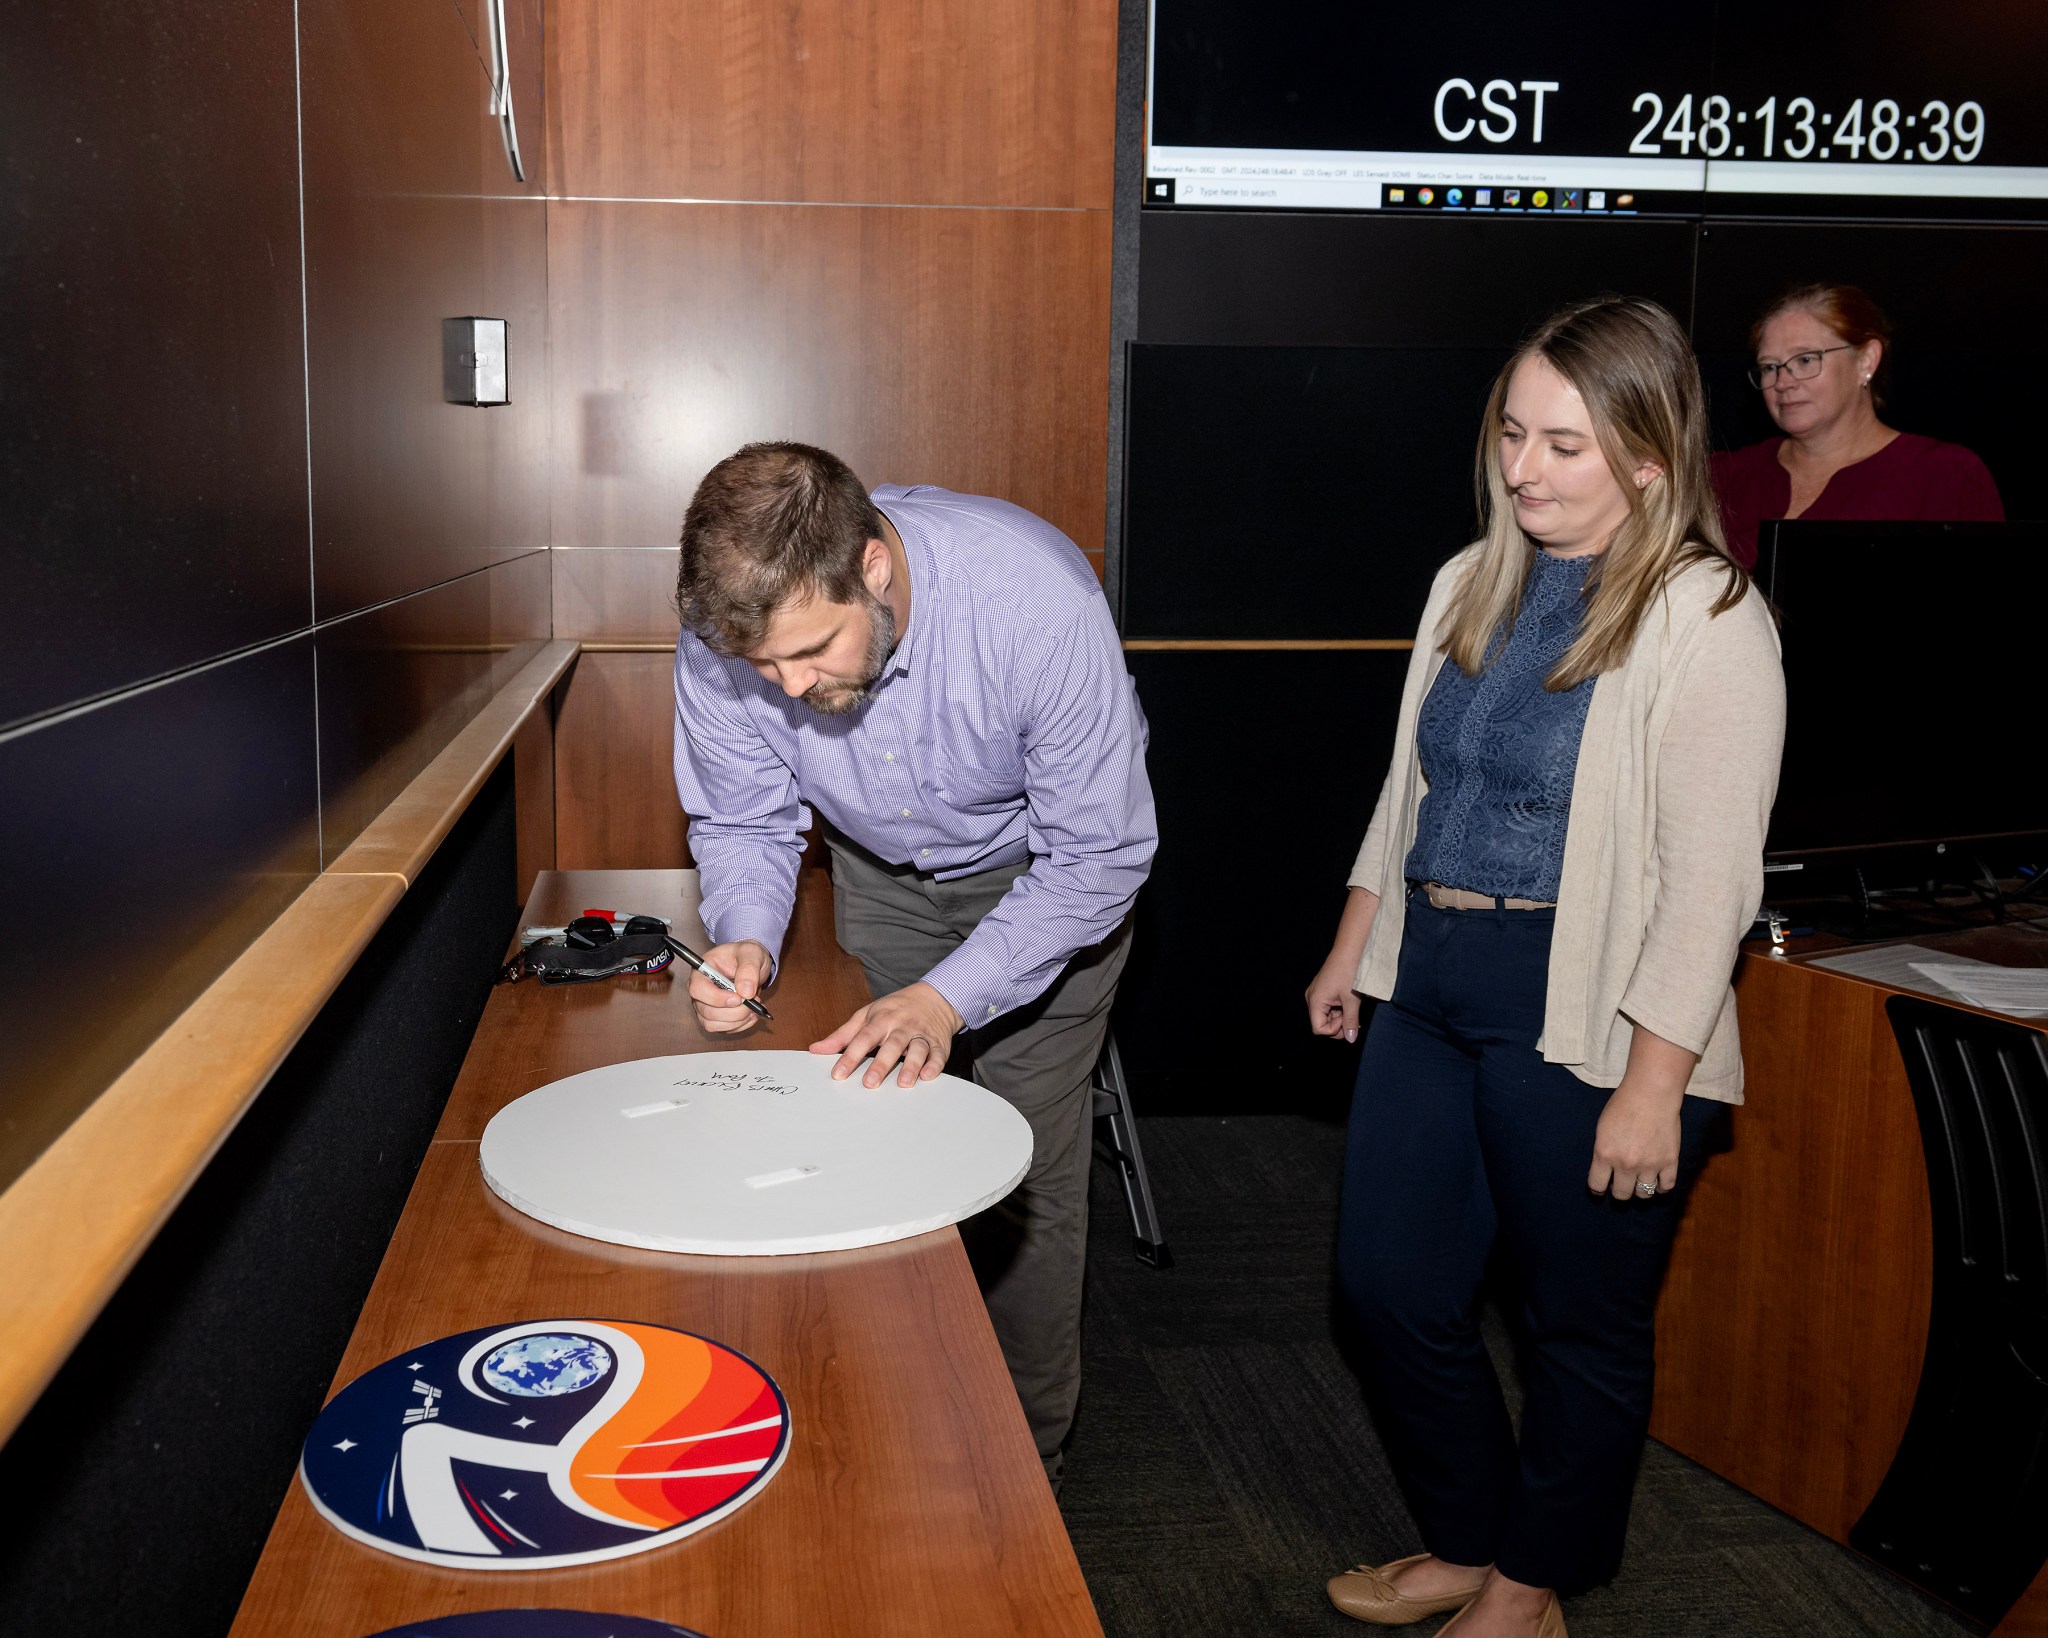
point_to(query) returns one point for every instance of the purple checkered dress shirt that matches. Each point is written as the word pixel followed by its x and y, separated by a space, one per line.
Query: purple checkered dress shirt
pixel 1004 727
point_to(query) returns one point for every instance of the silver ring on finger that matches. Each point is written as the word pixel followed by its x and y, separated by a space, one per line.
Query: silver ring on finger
pixel 907 1045
pixel 1646 1187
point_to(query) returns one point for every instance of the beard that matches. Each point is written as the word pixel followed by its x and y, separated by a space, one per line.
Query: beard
pixel 841 699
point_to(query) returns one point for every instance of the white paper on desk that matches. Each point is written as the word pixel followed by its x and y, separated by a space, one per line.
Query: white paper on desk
pixel 1901 965
pixel 2021 992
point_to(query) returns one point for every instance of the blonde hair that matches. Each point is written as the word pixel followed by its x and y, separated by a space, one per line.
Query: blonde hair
pixel 1630 362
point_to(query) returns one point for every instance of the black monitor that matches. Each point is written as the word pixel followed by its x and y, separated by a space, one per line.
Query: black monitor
pixel 1878 109
pixel 1913 680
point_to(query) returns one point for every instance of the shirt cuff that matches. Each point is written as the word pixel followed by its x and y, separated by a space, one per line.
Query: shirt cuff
pixel 756 922
pixel 974 986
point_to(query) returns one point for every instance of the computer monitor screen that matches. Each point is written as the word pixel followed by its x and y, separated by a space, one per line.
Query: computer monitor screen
pixel 1912 680
pixel 1870 108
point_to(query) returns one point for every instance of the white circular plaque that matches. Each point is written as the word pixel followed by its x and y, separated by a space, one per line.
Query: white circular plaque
pixel 752 1154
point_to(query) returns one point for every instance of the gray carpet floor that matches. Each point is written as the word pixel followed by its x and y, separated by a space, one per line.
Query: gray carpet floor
pixel 1223 1465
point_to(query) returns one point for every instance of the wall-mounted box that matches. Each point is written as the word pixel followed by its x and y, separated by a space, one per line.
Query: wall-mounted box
pixel 473 361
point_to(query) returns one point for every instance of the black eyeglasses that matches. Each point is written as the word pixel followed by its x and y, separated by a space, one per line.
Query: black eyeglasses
pixel 1800 366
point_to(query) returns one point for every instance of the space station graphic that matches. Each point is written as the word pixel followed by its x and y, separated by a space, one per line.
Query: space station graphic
pixel 550 1443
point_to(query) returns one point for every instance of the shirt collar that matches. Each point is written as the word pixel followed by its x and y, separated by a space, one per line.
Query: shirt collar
pixel 924 594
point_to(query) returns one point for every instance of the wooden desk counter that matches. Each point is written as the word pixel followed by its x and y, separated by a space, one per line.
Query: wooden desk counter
pixel 1794 1320
pixel 1794 1316
pixel 911 1501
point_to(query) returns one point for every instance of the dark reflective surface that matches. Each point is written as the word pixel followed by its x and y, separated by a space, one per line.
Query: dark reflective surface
pixel 152 463
pixel 1276 448
pixel 397 683
pixel 1956 296
pixel 1318 772
pixel 143 845
pixel 396 118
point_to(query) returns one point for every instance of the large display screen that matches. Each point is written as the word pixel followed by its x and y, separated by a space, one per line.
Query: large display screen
pixel 1900 731
pixel 1898 108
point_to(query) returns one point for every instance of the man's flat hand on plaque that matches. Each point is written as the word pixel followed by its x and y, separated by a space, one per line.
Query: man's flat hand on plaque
pixel 909 1030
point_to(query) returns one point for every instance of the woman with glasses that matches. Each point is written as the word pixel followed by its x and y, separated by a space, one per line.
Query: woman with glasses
pixel 1823 356
pixel 1565 855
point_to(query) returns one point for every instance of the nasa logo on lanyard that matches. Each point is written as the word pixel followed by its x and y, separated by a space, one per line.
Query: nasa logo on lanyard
pixel 551 1443
pixel 538 1624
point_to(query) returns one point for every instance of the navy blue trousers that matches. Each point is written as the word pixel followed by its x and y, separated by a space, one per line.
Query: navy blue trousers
pixel 1462 1138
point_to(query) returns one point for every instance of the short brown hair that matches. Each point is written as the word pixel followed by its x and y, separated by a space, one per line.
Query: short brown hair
pixel 1844 309
pixel 775 523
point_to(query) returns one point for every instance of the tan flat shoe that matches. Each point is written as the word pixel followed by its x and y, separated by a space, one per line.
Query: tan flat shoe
pixel 1550 1625
pixel 1368 1593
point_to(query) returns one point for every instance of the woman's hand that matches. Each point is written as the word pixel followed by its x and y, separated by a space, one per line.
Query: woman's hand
pixel 1332 1002
pixel 1636 1141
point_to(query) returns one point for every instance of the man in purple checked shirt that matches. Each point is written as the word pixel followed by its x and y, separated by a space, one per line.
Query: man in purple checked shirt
pixel 937 678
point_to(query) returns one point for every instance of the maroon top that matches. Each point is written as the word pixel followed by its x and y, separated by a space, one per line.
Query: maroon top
pixel 1912 479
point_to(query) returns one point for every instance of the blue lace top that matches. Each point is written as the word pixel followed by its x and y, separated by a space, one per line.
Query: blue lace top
pixel 1499 751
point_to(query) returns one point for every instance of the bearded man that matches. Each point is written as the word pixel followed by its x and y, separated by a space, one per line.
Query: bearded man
pixel 937 678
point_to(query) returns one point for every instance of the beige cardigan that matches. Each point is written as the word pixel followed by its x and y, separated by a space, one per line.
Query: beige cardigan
pixel 1663 853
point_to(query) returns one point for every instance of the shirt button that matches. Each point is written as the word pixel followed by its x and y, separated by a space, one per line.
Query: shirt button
pixel 906 813
pixel 888 756
pixel 924 853
pixel 991 1009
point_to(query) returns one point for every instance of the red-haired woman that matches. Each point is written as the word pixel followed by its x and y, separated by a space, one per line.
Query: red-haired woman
pixel 1823 353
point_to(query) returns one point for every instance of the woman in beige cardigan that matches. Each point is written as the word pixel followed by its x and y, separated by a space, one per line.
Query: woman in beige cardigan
pixel 1566 852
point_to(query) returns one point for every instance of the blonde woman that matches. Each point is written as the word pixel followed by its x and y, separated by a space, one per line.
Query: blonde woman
pixel 1565 854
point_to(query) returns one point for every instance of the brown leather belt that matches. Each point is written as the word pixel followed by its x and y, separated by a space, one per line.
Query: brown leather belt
pixel 1458 898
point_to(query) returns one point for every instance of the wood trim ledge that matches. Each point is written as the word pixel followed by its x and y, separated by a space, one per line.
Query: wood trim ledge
pixel 74 1223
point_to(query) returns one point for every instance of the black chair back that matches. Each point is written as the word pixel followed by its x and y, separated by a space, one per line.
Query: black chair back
pixel 1964 1509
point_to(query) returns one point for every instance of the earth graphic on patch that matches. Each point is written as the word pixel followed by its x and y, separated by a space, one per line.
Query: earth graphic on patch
pixel 543 1366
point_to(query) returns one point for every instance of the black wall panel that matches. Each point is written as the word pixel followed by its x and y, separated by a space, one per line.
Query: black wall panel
pixel 159 528
pixel 1265 767
pixel 1296 491
pixel 141 1488
pixel 396 130
pixel 153 457
pixel 143 844
pixel 398 681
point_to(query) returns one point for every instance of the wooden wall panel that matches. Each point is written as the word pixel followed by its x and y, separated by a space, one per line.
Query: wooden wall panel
pixel 962 348
pixel 1795 1314
pixel 606 596
pixel 880 226
pixel 947 102
pixel 533 767
pixel 615 794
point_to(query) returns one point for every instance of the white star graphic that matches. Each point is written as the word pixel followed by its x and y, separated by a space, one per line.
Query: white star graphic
pixel 524 1422
pixel 346 1445
pixel 507 1495
pixel 415 1365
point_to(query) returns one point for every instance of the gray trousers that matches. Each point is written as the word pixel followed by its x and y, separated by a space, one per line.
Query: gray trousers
pixel 1028 1249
